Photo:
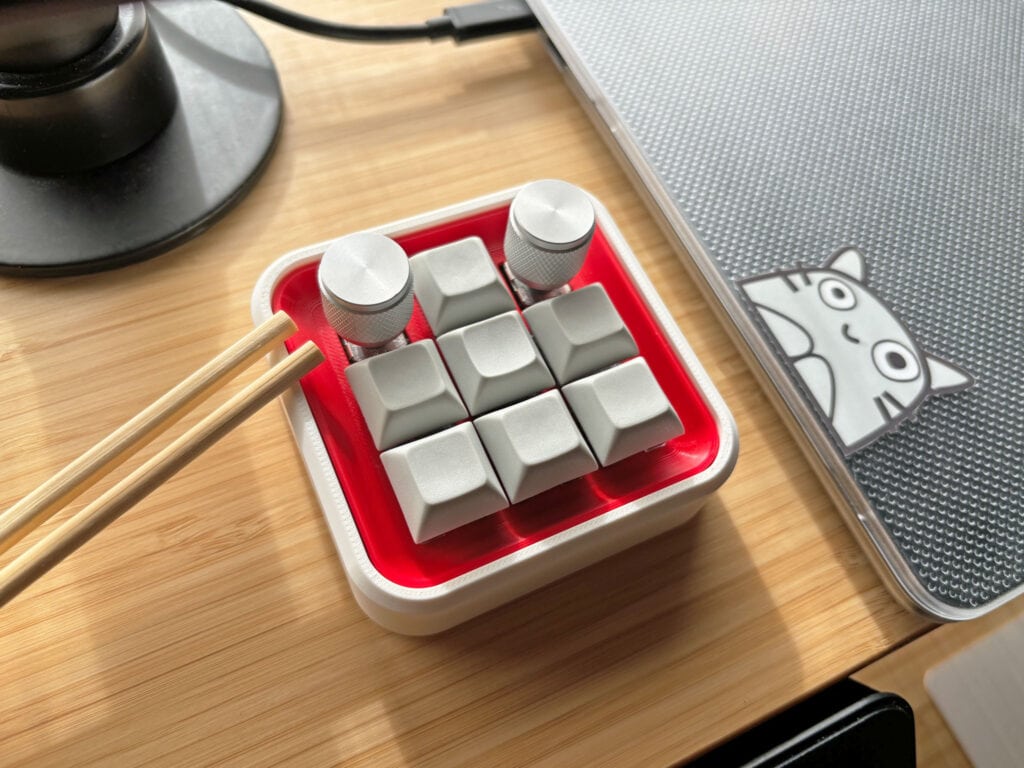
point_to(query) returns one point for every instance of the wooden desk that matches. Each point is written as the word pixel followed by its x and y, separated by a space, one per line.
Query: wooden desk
pixel 213 623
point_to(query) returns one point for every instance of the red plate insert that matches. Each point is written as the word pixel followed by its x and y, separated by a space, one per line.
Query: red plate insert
pixel 361 474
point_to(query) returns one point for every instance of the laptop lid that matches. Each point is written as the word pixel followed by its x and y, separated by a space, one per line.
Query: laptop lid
pixel 848 181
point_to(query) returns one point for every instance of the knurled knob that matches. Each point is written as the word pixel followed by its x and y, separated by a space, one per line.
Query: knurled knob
pixel 550 225
pixel 366 288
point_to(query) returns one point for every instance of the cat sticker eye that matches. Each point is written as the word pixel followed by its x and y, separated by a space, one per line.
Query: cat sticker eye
pixel 836 294
pixel 894 361
pixel 864 370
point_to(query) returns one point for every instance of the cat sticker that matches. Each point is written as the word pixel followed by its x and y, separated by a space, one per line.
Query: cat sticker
pixel 862 366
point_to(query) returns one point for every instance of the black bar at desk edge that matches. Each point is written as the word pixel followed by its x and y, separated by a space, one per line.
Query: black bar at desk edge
pixel 847 724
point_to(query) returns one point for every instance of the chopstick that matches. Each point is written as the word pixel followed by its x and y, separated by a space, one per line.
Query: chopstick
pixel 73 533
pixel 108 454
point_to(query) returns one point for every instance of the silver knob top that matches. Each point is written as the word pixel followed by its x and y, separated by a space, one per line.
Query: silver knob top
pixel 366 288
pixel 365 273
pixel 553 215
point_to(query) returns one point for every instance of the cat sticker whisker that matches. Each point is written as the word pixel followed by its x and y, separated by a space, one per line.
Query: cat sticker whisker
pixel 893 399
pixel 883 410
pixel 791 282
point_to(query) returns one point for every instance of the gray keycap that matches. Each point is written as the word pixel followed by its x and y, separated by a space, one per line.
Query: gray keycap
pixel 622 411
pixel 443 481
pixel 458 284
pixel 404 394
pixel 495 362
pixel 580 333
pixel 534 445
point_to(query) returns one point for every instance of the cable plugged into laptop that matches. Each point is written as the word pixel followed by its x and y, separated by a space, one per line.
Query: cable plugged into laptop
pixel 472 21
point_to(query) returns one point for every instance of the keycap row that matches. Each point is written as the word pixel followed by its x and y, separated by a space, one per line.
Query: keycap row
pixel 474 469
pixel 407 392
pixel 457 284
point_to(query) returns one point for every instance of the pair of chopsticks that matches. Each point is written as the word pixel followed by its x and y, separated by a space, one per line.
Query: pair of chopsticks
pixel 112 451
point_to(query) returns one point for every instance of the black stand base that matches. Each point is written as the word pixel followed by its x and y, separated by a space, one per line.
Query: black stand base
pixel 211 153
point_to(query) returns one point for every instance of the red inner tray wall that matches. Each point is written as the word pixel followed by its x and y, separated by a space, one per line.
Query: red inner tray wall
pixel 361 473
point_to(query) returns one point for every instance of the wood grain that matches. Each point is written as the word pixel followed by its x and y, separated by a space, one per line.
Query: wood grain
pixel 98 461
pixel 45 554
pixel 214 625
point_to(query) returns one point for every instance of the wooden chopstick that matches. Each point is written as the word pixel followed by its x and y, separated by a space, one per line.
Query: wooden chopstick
pixel 29 513
pixel 71 534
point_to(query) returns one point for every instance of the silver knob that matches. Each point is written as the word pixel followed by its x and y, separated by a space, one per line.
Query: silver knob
pixel 366 288
pixel 550 225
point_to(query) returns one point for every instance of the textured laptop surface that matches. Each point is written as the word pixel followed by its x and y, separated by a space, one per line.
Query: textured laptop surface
pixel 852 176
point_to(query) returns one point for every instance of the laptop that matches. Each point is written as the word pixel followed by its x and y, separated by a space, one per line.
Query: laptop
pixel 847 181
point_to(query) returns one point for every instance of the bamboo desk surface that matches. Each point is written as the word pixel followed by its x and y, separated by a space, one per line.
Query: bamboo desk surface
pixel 213 623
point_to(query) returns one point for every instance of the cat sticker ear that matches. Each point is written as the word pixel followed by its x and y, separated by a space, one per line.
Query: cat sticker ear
pixel 850 263
pixel 947 377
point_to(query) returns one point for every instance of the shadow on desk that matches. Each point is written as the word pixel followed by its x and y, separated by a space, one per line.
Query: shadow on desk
pixel 230 637
pixel 279 657
pixel 162 632
pixel 601 656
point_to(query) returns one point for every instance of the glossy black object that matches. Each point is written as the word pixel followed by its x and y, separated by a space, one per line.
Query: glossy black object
pixel 218 136
pixel 845 726
pixel 34 42
pixel 91 110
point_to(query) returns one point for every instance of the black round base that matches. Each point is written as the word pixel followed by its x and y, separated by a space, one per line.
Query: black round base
pixel 208 157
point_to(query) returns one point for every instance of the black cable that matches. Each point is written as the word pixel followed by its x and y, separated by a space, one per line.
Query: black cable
pixel 323 28
pixel 464 22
